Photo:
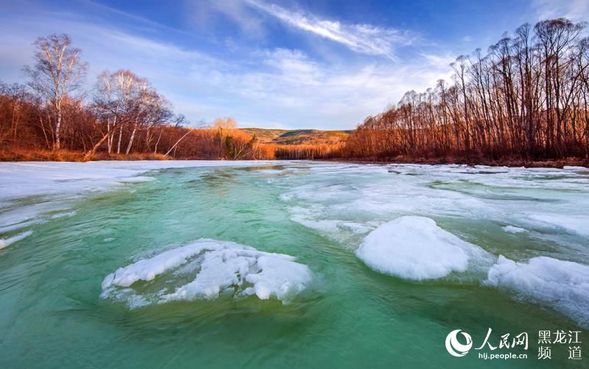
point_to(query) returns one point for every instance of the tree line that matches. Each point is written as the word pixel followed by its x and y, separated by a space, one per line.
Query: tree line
pixel 525 98
pixel 51 116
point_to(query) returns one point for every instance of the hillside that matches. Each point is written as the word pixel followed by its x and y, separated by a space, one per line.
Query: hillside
pixel 297 136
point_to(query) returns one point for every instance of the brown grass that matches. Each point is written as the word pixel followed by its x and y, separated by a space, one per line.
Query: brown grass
pixel 67 155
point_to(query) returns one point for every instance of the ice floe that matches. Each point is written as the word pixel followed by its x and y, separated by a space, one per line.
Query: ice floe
pixel 414 247
pixel 513 229
pixel 5 242
pixel 561 285
pixel 207 269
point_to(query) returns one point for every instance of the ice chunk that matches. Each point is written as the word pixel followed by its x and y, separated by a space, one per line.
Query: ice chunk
pixel 561 285
pixel 414 247
pixel 209 267
pixel 5 242
pixel 513 229
pixel 148 269
pixel 278 276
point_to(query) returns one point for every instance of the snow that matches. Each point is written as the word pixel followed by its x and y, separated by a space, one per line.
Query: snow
pixel 216 267
pixel 414 247
pixel 5 242
pixel 561 285
pixel 147 269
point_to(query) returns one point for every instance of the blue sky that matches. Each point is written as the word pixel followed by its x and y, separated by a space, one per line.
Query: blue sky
pixel 276 64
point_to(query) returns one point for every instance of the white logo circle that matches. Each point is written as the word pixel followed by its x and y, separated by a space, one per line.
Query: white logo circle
pixel 456 348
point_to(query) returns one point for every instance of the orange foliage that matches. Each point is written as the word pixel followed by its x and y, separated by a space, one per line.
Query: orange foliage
pixel 306 151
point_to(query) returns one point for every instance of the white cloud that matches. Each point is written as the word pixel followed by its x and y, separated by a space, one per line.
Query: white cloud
pixel 361 38
pixel 439 61
pixel 266 88
pixel 299 92
pixel 576 10
pixel 237 11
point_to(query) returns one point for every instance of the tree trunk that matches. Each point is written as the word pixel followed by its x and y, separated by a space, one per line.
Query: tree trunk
pixel 131 140
pixel 120 138
pixel 57 143
pixel 91 153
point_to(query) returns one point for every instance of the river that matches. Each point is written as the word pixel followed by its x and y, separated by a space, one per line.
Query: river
pixel 188 264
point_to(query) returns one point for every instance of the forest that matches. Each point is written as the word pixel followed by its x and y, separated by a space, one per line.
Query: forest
pixel 525 99
pixel 51 117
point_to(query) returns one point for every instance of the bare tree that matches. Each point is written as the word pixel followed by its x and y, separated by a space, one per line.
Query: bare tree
pixel 527 98
pixel 57 72
pixel 127 103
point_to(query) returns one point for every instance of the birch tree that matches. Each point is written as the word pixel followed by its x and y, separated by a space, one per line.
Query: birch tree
pixel 57 72
pixel 127 103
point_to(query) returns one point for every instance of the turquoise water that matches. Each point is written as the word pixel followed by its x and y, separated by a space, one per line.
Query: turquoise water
pixel 52 316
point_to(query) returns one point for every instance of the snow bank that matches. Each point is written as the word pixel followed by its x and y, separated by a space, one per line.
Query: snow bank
pixel 5 242
pixel 561 285
pixel 211 268
pixel 414 247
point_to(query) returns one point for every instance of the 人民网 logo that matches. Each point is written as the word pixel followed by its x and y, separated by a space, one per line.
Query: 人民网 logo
pixel 510 346
pixel 456 348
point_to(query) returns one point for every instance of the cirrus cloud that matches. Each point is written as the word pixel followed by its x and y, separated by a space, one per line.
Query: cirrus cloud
pixel 361 38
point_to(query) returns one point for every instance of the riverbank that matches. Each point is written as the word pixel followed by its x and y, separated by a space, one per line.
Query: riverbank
pixel 506 162
pixel 76 156
pixel 72 156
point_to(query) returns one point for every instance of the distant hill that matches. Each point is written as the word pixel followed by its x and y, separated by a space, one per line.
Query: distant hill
pixel 297 136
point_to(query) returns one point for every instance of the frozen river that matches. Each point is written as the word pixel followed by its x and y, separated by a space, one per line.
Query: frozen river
pixel 187 264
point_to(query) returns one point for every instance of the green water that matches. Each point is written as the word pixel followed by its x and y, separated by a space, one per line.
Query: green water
pixel 52 316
